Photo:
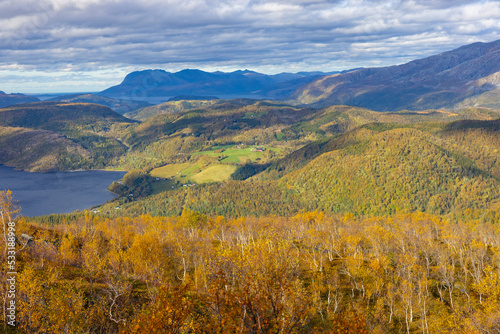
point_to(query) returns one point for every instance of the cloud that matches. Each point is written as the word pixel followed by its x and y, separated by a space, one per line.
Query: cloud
pixel 277 35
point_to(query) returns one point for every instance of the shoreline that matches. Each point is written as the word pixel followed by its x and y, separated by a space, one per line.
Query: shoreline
pixel 17 169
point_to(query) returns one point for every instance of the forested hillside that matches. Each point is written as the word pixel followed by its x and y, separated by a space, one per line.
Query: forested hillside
pixel 376 169
pixel 39 150
pixel 50 136
pixel 57 116
pixel 120 106
pixel 399 170
pixel 178 131
pixel 184 131
pixel 143 114
pixel 337 159
pixel 308 273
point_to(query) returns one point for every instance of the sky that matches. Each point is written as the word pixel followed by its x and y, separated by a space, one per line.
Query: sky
pixel 49 46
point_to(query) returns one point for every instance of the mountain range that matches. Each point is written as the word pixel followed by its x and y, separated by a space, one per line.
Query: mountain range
pixel 465 77
pixel 469 75
pixel 158 83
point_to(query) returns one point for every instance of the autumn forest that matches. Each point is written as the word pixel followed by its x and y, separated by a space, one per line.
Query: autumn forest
pixel 307 273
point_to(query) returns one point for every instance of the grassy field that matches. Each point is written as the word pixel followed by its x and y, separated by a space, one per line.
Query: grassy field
pixel 215 173
pixel 237 155
pixel 187 172
pixel 229 157
pixel 169 170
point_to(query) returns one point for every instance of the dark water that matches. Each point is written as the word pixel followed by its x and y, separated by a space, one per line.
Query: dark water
pixel 61 192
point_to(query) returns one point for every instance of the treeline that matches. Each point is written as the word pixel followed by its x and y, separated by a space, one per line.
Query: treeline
pixel 309 273
pixel 231 199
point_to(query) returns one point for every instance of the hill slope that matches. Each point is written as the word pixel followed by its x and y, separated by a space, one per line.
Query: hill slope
pixel 401 169
pixel 40 150
pixel 47 136
pixel 377 169
pixel 12 99
pixel 435 82
pixel 185 131
pixel 55 115
pixel 120 106
pixel 169 107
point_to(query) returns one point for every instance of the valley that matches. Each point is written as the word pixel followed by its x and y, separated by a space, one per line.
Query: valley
pixel 308 158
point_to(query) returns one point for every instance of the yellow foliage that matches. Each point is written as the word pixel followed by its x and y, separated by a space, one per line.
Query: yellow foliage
pixel 306 273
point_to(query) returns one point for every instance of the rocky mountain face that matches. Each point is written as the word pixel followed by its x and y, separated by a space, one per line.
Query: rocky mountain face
pixel 440 81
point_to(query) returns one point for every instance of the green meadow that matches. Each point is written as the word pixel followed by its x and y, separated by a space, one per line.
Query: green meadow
pixel 229 157
pixel 232 154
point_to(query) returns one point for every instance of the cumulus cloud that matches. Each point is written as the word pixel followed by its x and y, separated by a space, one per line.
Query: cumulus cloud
pixel 266 35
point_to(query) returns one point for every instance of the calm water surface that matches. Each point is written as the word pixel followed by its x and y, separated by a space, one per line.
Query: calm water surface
pixel 61 192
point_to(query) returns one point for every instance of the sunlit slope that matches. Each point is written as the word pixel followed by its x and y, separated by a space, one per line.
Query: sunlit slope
pixel 230 198
pixel 48 136
pixel 39 150
pixel 58 115
pixel 174 134
pixel 169 107
pixel 396 170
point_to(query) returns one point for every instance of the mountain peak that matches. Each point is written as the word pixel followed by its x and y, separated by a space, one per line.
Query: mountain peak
pixel 191 70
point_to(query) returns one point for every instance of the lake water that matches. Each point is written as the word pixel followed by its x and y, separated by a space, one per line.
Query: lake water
pixel 61 192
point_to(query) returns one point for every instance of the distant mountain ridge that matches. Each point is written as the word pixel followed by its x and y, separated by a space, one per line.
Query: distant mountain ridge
pixel 439 81
pixel 153 83
pixel 55 115
pixel 120 106
pixel 12 99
